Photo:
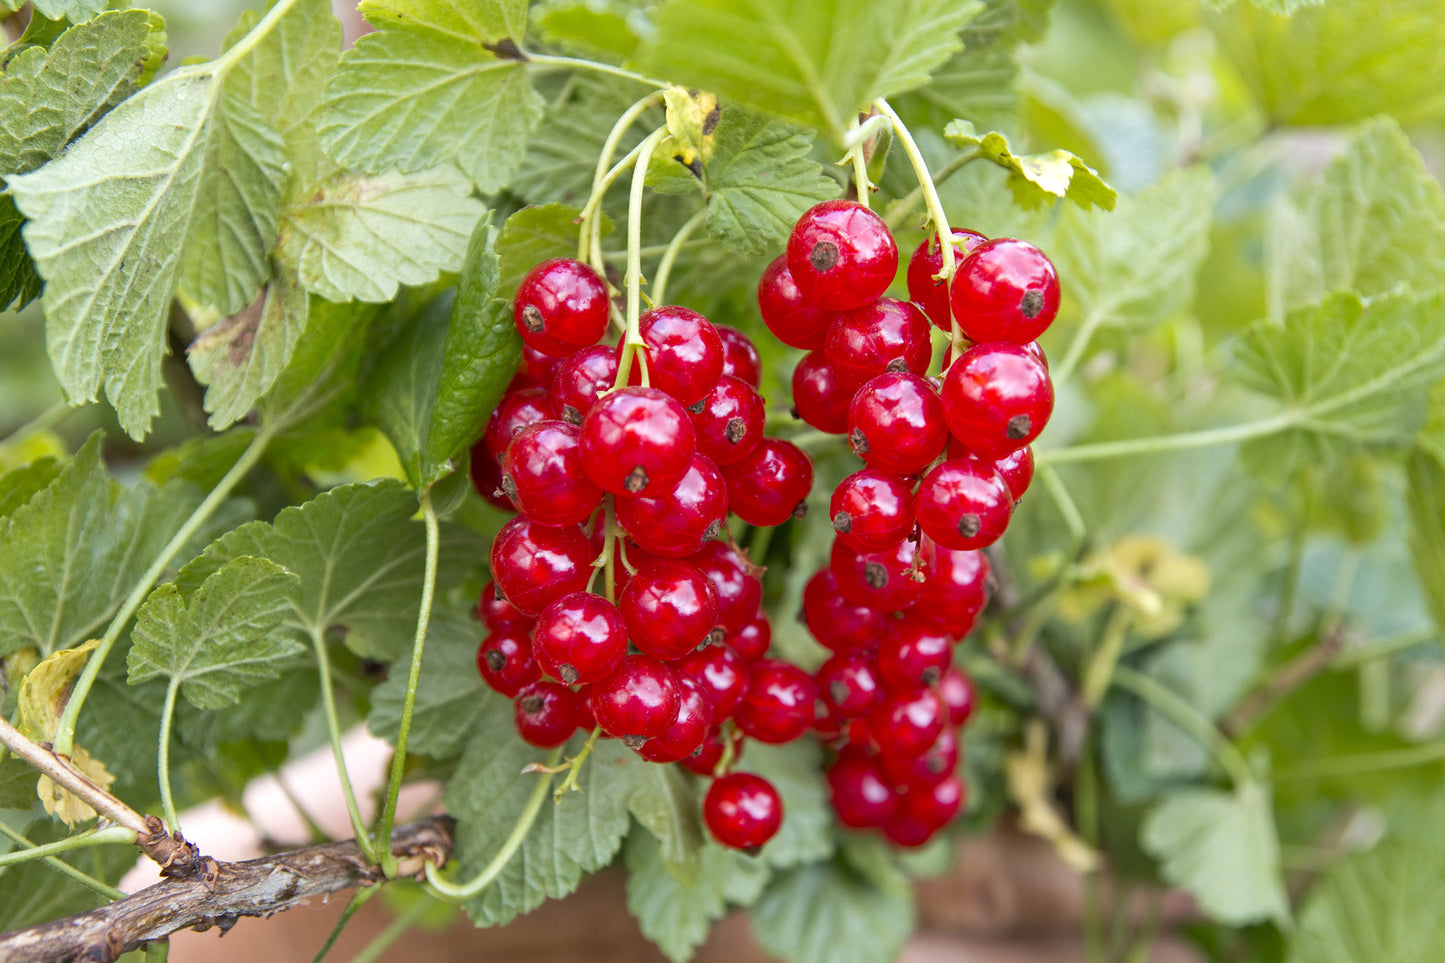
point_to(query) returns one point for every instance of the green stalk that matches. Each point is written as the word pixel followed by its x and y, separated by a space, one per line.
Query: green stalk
pixel 61 866
pixel 1101 668
pixel 357 901
pixel 899 210
pixel 333 728
pixel 254 36
pixel 632 341
pixel 546 60
pixel 1228 435
pixel 163 756
pixel 664 267
pixel 1188 718
pixel 587 251
pixel 94 837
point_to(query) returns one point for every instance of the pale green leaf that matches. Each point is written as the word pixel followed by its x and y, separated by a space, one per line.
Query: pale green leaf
pixel 1426 498
pixel 217 642
pixel 313 390
pixel 794 770
pixel 1135 266
pixel 359 237
pixel 24 482
pixel 1284 7
pixel 676 916
pixel 32 893
pixel 589 25
pixel 451 698
pixel 835 912
pixel 460 19
pixel 1222 847
pixel 817 62
pixel 72 10
pixel 415 96
pixel 664 799
pixel 1036 179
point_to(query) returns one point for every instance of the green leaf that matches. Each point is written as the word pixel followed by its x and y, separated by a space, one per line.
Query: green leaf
pixel 424 90
pixel 1426 498
pixel 32 893
pixel 72 10
pixel 1223 848
pixel 758 180
pixel 835 912
pixel 1346 376
pixel 817 62
pixel 794 770
pixel 1036 179
pixel 1340 61
pixel 590 25
pixel 23 483
pixel 451 699
pixel 1135 266
pixel 676 916
pixel 1284 7
pixel 49 96
pixel 1376 221
pixel 19 283
pixel 1377 905
pixel 313 390
pixel 664 799
pixel 570 838
pixel 361 236
pixel 17 784
pixel 532 235
pixel 219 641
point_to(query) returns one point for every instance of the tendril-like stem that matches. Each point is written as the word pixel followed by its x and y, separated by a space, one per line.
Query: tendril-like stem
pixel 588 250
pixel 632 340
pixel 669 256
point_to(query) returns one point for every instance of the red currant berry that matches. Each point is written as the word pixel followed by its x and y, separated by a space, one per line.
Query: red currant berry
pixel 849 685
pixel 582 378
pixel 793 319
pixel 996 399
pixel 670 609
pixel 547 713
pixel 1017 471
pixel 678 520
pixel 686 734
pixel 956 592
pixel 913 653
pixel 935 804
pixel 779 704
pixel 819 397
pixel 887 335
pixel 887 581
pixel 682 351
pixel 751 642
pixel 837 623
pixel 907 722
pixel 1005 290
pixel 728 423
pixel 896 423
pixel 906 831
pixel 742 811
pixel 860 796
pixel 872 510
pixel 929 294
pixel 635 438
pixel 964 504
pixel 722 674
pixel 770 484
pixel 640 699
pixel 934 766
pixel 841 255
pixel 535 564
pixel 515 411
pixel 956 691
pixel 579 638
pixel 538 367
pixel 496 612
pixel 487 477
pixel 740 356
pixel 1037 353
pixel 542 475
pixel 735 579
pixel 505 661
pixel 710 753
pixel 561 306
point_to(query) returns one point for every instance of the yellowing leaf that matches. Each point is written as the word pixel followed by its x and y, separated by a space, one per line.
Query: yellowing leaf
pixel 59 801
pixel 46 690
pixel 1036 178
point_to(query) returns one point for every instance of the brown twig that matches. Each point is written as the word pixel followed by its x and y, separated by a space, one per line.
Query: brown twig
pixel 1290 677
pixel 222 895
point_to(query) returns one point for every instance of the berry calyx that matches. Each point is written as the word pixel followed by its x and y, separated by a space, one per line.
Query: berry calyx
pixel 561 307
pixel 1005 290
pixel 873 510
pixel 742 811
pixel 579 638
pixel 505 663
pixel 841 255
pixel 728 423
pixel 887 581
pixel 964 504
pixel 636 440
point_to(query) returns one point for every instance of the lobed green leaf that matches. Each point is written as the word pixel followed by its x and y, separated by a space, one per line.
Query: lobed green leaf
pixel 677 916
pixel 835 912
pixel 1036 179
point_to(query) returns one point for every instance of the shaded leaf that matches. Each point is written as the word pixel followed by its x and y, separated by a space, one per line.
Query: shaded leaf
pixel 664 799
pixel 532 235
pixel 1426 498
pixel 451 699
pixel 835 912
pixel 676 916
pixel 806 834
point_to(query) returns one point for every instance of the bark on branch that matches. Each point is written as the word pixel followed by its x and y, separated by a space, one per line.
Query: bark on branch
pixel 222 895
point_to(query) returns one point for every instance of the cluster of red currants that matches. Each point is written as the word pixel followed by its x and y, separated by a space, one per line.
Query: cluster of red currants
pixel 629 457
pixel 946 463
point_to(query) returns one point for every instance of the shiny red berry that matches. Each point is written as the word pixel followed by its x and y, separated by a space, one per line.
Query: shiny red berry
pixel 964 504
pixel 542 475
pixel 779 704
pixel 538 367
pixel 861 797
pixel 873 510
pixel 956 591
pixel 547 714
pixel 793 319
pixel 579 638
pixel 705 761
pixel 907 831
pixel 751 642
pixel 721 672
pixel 841 255
pixel 487 476
pixel 887 335
pixel 740 356
pixel 682 351
pixel 956 691
pixel 908 722
pixel 735 579
pixel 742 811
pixel 896 424
pixel 934 766
pixel 505 661
pixel 996 399
pixel 913 653
pixel 923 290
pixel 535 564
pixel 496 612
pixel 515 411
pixel 770 484
pixel 678 520
pixel 636 440
pixel 581 378
pixel 935 804
pixel 887 581
pixel 561 306
pixel 1005 290
pixel 670 609
pixel 640 699
pixel 728 423
pixel 819 397
pixel 849 685
pixel 688 731
pixel 1017 471
pixel 837 623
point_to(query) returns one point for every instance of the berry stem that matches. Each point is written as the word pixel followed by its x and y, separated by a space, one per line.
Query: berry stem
pixel 664 266
pixel 575 63
pixel 333 731
pixel 569 784
pixel 900 209
pixel 163 756
pixel 632 341
pixel 1228 435
pixel 1080 343
pixel 1054 485
pixel 588 247
pixel 423 621
pixel 456 892
pixel 856 153
pixel 1100 670
pixel 1188 718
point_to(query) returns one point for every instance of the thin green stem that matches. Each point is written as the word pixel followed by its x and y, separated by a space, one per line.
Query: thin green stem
pixel 862 184
pixel 632 281
pixel 1080 343
pixel 574 63
pixel 42 422
pixel 1364 763
pixel 1289 586
pixel 1188 718
pixel 457 892
pixel 1228 435
pixel 358 900
pixel 1400 642
pixel 95 837
pixel 408 705
pixel 254 36
pixel 899 210
pixel 65 731
pixel 586 250
pixel 61 866
pixel 664 267
pixel 1101 668
pixel 163 755
pixel 393 932
pixel 569 784
pixel 333 729
pixel 1065 503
